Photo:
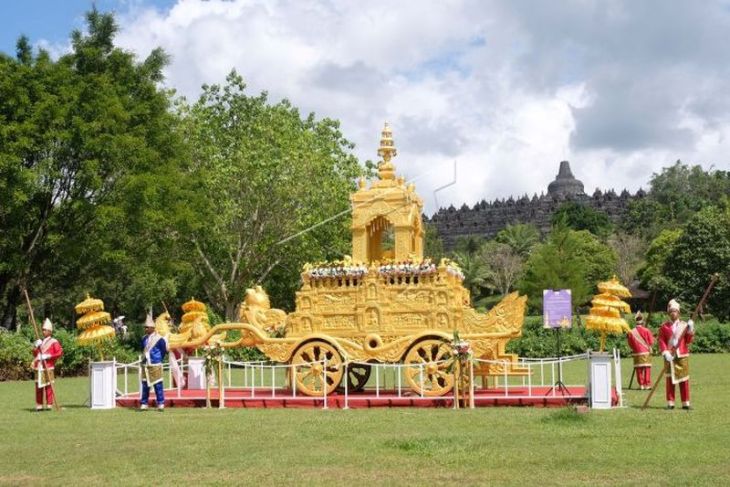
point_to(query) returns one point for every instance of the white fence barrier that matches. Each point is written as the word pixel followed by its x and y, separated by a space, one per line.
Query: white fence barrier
pixel 265 380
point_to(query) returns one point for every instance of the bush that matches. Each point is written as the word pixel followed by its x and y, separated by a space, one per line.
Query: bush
pixel 710 337
pixel 16 354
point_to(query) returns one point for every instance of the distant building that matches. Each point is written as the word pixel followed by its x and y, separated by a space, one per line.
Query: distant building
pixel 486 219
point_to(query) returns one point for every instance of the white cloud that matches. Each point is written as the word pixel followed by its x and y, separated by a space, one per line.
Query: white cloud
pixel 506 89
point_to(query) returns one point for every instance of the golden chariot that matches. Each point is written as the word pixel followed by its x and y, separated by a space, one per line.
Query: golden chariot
pixel 386 305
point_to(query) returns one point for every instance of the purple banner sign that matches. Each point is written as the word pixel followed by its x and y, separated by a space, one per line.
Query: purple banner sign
pixel 557 308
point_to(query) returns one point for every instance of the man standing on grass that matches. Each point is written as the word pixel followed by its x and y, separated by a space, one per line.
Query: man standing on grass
pixel 641 340
pixel 675 336
pixel 155 348
pixel 46 351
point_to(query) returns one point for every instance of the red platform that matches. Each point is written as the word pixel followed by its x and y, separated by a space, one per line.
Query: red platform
pixel 262 398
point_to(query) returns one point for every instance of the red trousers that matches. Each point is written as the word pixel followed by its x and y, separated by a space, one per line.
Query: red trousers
pixel 39 395
pixel 683 390
pixel 643 376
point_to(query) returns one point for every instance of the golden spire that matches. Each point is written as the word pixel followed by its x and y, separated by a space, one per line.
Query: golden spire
pixel 386 169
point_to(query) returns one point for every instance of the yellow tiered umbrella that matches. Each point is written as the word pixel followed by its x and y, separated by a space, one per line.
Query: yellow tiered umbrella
pixel 193 305
pixel 610 301
pixel 614 287
pixel 95 334
pixel 192 316
pixel 89 304
pixel 195 323
pixel 605 315
pixel 93 318
pixel 93 322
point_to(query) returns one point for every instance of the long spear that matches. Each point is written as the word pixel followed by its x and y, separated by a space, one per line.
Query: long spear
pixel 56 407
pixel 665 369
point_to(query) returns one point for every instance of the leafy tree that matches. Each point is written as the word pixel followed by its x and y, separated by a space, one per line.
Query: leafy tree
pixel 477 274
pixel 521 237
pixel 629 250
pixel 74 134
pixel 568 259
pixel 652 274
pixel 469 244
pixel 266 192
pixel 701 250
pixel 433 246
pixel 676 194
pixel 504 263
pixel 582 217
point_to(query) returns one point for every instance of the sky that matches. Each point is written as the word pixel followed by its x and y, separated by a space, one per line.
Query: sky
pixel 485 98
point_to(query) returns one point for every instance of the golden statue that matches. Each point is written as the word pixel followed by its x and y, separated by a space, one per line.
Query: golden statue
pixel 386 303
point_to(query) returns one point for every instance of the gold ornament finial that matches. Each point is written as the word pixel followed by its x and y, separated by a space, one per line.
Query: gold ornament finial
pixel 387 150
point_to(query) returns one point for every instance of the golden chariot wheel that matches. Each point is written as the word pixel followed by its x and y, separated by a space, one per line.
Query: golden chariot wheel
pixel 427 367
pixel 313 379
pixel 357 377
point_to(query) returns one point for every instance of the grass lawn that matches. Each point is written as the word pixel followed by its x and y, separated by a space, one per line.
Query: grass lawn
pixel 380 446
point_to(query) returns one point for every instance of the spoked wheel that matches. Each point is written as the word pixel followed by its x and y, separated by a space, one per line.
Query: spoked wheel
pixel 311 376
pixel 357 376
pixel 427 364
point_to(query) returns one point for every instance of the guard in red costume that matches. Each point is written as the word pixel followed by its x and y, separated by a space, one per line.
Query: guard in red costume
pixel 45 352
pixel 641 340
pixel 675 336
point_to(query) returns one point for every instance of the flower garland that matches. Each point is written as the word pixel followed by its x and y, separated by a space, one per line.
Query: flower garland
pixel 461 350
pixel 276 331
pixel 390 268
pixel 325 270
pixel 407 268
pixel 213 355
pixel 453 269
pixel 462 358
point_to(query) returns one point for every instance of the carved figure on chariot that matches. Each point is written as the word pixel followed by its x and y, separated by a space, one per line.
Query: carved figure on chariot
pixel 384 303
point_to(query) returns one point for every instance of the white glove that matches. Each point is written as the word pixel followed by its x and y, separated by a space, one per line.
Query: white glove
pixel 45 356
pixel 37 343
pixel 668 356
pixel 691 325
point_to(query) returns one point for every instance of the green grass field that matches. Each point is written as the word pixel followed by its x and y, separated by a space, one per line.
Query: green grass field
pixel 497 446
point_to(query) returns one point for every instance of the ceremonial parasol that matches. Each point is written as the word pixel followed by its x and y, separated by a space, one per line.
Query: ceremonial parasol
pixel 95 334
pixel 89 304
pixel 614 287
pixel 605 315
pixel 93 322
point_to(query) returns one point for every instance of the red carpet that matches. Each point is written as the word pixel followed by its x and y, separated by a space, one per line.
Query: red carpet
pixel 241 398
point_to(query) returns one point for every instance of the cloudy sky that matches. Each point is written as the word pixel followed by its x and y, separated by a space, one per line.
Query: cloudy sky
pixel 496 92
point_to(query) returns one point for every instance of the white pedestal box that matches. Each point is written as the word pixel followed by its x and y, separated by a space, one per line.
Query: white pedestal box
pixel 196 373
pixel 600 380
pixel 102 384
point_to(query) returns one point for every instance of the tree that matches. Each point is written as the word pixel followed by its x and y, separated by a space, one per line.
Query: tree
pixel 702 250
pixel 629 250
pixel 73 133
pixel 677 193
pixel 652 274
pixel 433 246
pixel 521 237
pixel 477 274
pixel 583 217
pixel 266 190
pixel 469 244
pixel 504 263
pixel 568 259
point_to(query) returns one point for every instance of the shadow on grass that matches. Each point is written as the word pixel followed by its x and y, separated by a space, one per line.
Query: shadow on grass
pixel 567 415
pixel 433 446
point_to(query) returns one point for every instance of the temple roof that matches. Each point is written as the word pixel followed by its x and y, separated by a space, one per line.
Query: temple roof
pixel 565 183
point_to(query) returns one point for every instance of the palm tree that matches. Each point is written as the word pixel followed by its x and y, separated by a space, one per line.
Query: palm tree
pixel 477 274
pixel 521 237
pixel 469 244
